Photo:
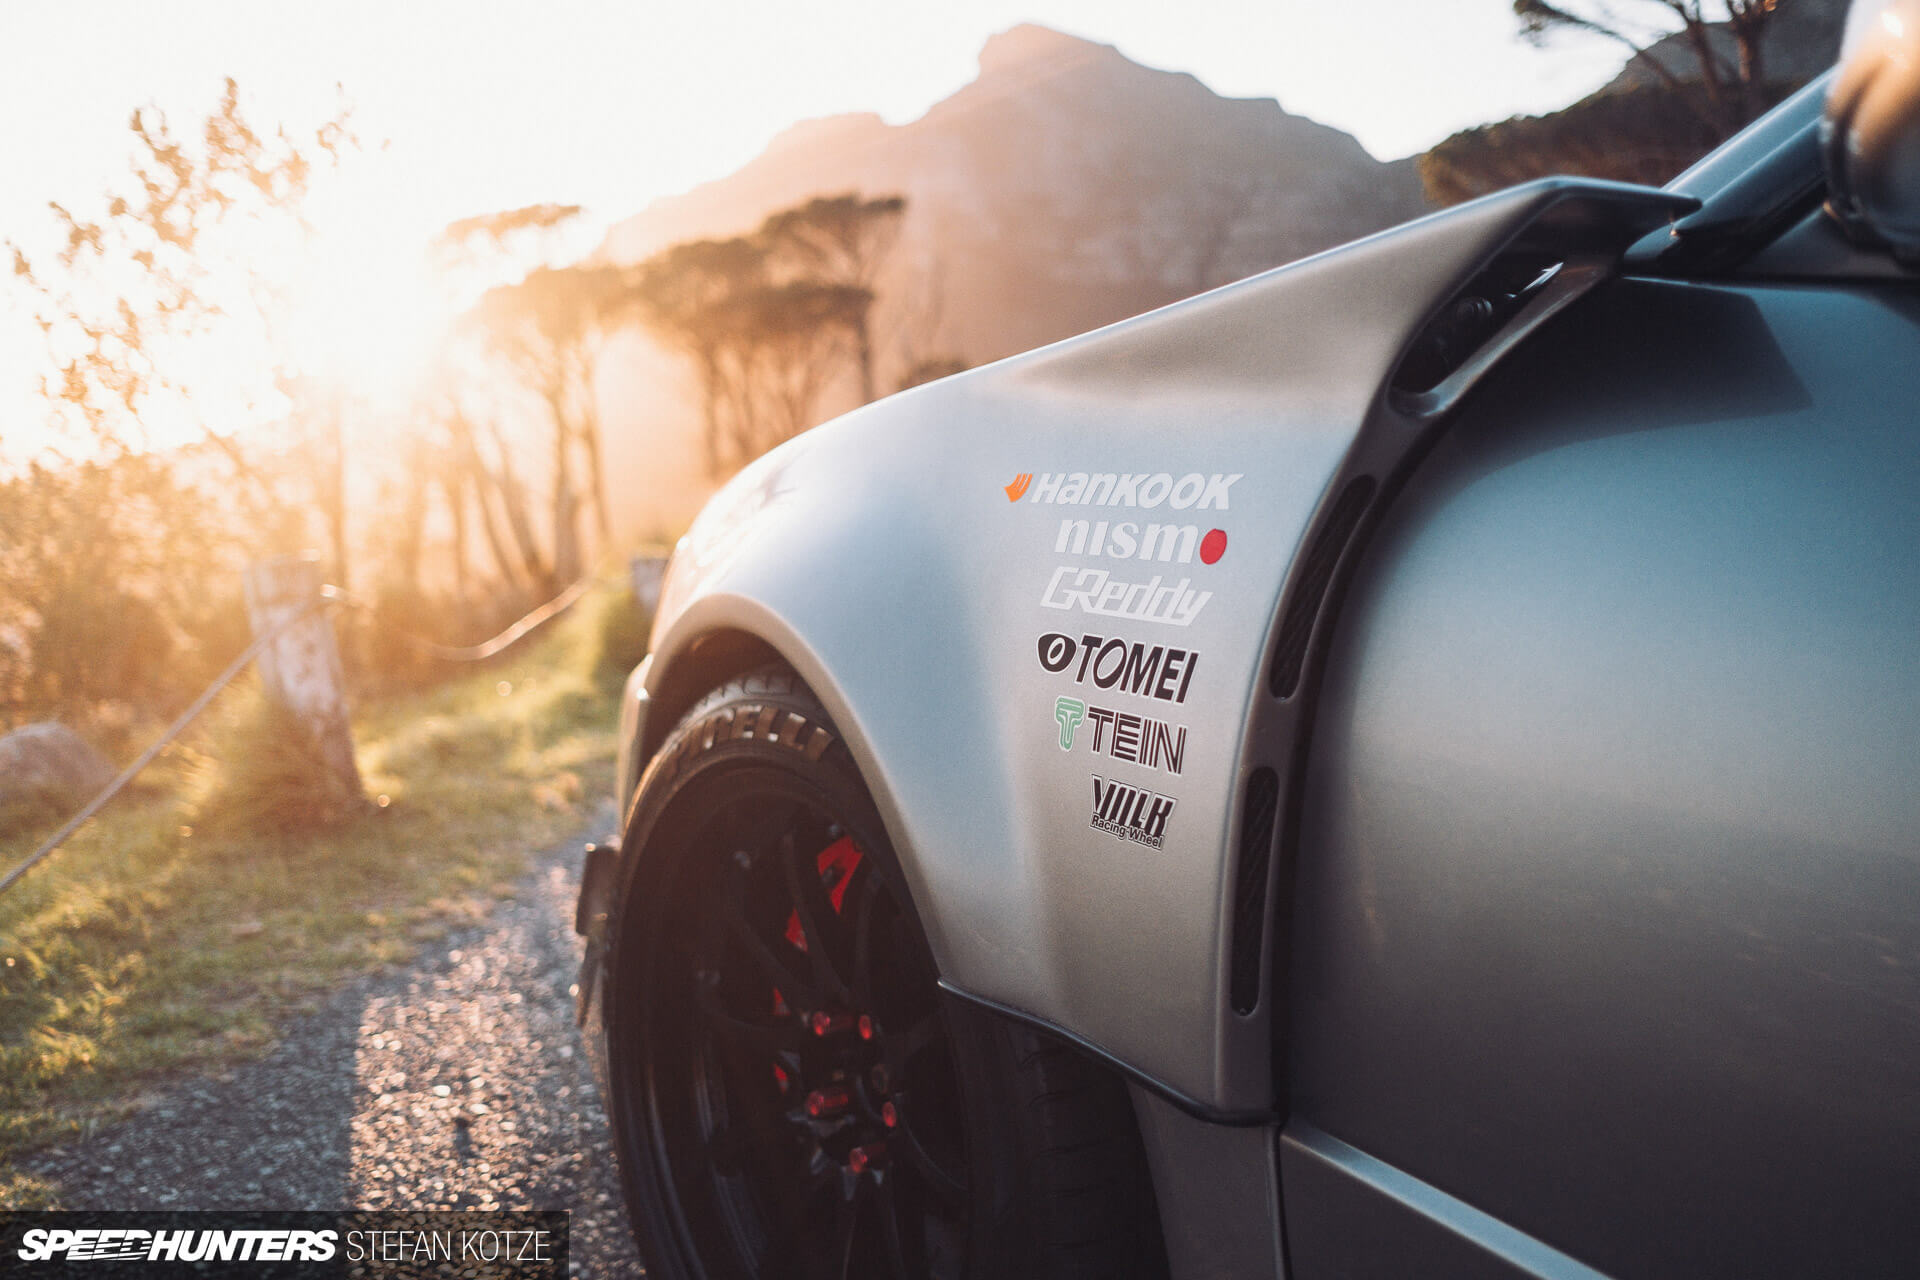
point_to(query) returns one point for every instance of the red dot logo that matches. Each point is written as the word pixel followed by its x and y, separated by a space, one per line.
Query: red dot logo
pixel 1213 546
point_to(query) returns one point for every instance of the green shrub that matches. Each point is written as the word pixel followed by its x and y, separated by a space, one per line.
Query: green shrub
pixel 262 774
pixel 619 636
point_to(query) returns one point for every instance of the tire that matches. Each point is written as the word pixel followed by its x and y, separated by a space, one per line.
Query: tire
pixel 792 1094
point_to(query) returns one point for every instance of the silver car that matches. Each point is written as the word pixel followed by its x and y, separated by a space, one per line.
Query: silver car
pixel 1407 765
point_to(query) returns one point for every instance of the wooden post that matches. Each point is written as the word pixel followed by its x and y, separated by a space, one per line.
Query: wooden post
pixel 300 667
pixel 647 570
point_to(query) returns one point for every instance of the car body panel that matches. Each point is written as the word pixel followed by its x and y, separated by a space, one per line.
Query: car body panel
pixel 1590 905
pixel 1234 411
pixel 1338 1197
pixel 1612 844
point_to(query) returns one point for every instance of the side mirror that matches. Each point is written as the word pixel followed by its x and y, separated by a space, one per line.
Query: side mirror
pixel 1871 134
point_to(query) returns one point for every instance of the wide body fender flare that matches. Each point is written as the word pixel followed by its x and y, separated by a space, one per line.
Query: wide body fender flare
pixel 950 570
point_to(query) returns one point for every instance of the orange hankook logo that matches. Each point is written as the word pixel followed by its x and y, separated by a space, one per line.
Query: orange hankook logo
pixel 1018 489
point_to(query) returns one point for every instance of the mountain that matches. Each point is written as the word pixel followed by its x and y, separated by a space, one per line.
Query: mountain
pixel 1642 126
pixel 1064 188
pixel 1802 41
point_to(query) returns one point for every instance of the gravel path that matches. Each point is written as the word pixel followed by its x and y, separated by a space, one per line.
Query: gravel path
pixel 458 1083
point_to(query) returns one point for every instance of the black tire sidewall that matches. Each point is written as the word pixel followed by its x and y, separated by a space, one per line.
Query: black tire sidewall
pixel 1011 1216
pixel 701 754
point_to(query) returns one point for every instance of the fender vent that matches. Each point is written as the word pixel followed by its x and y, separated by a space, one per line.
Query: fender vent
pixel 1316 571
pixel 1250 888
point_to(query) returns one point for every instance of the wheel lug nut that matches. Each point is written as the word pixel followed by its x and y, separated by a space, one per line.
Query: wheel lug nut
pixel 889 1115
pixel 860 1159
pixel 867 1029
pixel 824 1023
pixel 880 1078
pixel 826 1102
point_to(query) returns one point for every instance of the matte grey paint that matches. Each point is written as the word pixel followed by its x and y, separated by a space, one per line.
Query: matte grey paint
pixel 1217 1191
pixel 1607 884
pixel 1607 953
pixel 879 556
pixel 1334 1193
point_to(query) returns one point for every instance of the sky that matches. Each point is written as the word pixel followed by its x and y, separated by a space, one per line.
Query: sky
pixel 475 106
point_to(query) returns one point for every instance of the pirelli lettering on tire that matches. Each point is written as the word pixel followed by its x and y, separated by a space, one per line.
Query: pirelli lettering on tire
pixel 1155 671
pixel 1128 812
pixel 763 721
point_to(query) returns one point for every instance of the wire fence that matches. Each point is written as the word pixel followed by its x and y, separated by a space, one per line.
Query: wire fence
pixel 476 652
pixel 329 596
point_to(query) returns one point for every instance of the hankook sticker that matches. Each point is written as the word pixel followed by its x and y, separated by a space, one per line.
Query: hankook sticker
pixel 1146 490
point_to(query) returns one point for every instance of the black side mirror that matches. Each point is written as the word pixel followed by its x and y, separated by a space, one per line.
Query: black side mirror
pixel 1871 134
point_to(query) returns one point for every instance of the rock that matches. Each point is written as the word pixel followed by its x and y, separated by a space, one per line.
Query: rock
pixel 47 770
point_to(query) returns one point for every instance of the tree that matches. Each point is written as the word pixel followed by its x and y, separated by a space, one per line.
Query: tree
pixel 839 241
pixel 794 339
pixel 771 320
pixel 119 541
pixel 491 490
pixel 454 245
pixel 549 329
pixel 167 268
pixel 688 297
pixel 915 319
pixel 1697 74
pixel 1639 135
pixel 103 573
pixel 931 370
pixel 1725 46
pixel 476 470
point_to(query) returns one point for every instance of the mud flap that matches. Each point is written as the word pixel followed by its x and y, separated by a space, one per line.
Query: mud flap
pixel 590 921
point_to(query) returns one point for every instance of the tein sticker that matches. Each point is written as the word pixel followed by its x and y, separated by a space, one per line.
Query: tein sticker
pixel 1123 735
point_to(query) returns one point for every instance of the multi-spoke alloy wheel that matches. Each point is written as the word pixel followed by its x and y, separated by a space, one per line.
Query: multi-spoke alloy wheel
pixel 811 1104
pixel 793 1093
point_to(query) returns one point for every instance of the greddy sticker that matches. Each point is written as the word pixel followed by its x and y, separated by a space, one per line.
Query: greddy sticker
pixel 1123 735
pixel 1131 813
pixel 1156 671
pixel 1098 592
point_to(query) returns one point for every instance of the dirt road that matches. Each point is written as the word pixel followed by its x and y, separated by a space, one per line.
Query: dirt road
pixel 459 1082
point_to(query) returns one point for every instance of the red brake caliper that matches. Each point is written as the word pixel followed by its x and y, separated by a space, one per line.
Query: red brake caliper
pixel 841 857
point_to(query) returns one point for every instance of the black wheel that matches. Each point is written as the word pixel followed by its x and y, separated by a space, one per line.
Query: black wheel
pixel 791 1091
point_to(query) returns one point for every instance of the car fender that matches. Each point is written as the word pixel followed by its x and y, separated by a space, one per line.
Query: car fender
pixel 911 560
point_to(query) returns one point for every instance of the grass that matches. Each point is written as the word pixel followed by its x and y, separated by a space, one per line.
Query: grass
pixel 181 932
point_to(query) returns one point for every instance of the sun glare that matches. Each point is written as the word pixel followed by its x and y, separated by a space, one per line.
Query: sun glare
pixel 365 313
